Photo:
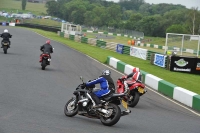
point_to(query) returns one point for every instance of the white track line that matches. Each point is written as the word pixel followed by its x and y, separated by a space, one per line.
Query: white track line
pixel 146 87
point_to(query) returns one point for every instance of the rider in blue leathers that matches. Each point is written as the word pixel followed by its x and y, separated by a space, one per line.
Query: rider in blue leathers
pixel 106 84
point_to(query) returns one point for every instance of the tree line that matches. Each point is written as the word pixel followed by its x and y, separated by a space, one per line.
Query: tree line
pixel 152 19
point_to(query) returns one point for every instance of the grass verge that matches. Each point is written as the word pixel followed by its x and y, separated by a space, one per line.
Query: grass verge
pixel 187 81
pixel 15 6
pixel 47 22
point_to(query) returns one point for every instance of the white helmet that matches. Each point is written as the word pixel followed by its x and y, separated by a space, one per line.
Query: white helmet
pixel 5 31
pixel 106 72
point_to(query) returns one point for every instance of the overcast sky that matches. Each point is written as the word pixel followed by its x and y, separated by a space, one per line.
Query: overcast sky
pixel 187 3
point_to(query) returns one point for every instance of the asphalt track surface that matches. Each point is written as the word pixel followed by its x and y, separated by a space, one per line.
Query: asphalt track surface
pixel 32 100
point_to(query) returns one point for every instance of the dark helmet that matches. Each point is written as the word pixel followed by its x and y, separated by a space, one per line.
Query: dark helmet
pixel 106 72
pixel 48 42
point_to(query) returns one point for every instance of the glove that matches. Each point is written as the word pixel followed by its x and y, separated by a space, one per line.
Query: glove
pixel 124 77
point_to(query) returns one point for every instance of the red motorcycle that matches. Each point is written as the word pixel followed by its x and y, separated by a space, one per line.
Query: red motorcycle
pixel 136 88
pixel 46 58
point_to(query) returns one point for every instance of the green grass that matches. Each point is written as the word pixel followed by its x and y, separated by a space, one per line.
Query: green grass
pixel 187 81
pixel 4 19
pixel 14 6
pixel 155 40
pixel 47 22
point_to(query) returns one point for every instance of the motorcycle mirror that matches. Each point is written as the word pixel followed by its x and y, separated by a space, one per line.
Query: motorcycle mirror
pixel 81 78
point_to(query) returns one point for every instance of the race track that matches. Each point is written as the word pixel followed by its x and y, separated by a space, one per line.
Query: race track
pixel 32 100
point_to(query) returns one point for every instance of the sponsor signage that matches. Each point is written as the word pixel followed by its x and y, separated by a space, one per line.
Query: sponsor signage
pixel 197 66
pixel 185 64
pixel 138 52
pixel 119 48
pixel 11 24
pixel 159 60
pixel 3 23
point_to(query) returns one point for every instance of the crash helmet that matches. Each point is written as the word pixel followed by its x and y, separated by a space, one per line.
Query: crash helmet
pixel 48 42
pixel 106 72
pixel 5 31
pixel 136 69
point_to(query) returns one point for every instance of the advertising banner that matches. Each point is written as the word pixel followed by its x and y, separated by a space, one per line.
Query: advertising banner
pixel 119 48
pixel 183 64
pixel 3 23
pixel 159 60
pixel 197 66
pixel 11 24
pixel 138 52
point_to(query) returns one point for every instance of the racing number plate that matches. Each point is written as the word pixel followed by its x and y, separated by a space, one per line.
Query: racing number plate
pixel 124 104
pixel 140 90
pixel 5 44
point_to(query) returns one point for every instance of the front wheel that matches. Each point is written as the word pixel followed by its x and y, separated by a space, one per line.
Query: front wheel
pixel 112 117
pixel 5 49
pixel 135 97
pixel 71 109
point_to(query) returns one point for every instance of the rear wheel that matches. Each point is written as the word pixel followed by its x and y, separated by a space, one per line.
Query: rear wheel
pixel 43 64
pixel 135 97
pixel 5 49
pixel 113 117
pixel 71 109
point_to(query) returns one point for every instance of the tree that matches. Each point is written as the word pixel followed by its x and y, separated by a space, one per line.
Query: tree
pixel 151 25
pixel 163 8
pixel 78 15
pixel 133 21
pixel 114 15
pixel 192 14
pixel 145 8
pixel 74 11
pixel 52 8
pixel 176 28
pixel 176 16
pixel 89 18
pixel 131 4
pixel 24 4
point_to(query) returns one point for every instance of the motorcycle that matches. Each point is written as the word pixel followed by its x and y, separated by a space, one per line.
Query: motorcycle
pixel 82 104
pixel 136 88
pixel 46 58
pixel 5 45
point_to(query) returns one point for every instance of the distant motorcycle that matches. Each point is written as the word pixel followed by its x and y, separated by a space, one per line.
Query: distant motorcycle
pixel 82 104
pixel 5 45
pixel 46 59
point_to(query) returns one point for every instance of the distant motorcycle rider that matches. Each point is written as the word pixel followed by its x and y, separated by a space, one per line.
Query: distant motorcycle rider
pixel 5 35
pixel 107 87
pixel 46 49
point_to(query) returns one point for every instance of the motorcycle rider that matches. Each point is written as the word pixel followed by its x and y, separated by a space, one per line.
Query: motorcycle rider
pixel 5 35
pixel 46 49
pixel 107 87
pixel 135 74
